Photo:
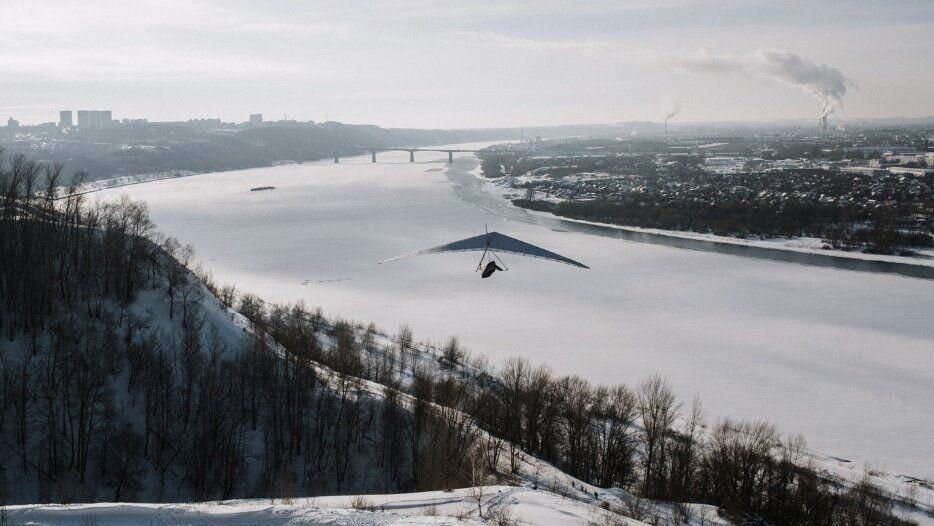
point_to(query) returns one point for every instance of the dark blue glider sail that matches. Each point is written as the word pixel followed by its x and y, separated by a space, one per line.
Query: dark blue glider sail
pixel 495 242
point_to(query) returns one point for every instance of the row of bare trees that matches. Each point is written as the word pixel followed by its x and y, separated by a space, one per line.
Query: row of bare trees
pixel 646 441
pixel 642 439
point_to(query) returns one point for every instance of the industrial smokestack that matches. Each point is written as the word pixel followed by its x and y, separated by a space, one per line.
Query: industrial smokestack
pixel 671 109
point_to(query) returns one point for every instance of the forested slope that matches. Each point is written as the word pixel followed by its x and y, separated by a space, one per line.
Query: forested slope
pixel 123 378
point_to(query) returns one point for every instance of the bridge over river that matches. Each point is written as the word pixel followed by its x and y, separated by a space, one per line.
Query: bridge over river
pixel 374 151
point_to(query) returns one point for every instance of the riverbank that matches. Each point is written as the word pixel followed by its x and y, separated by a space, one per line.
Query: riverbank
pixel 128 180
pixel 800 245
pixel 803 245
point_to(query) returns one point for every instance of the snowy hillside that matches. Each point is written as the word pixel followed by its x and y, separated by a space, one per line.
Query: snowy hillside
pixel 544 495
pixel 500 504
pixel 565 501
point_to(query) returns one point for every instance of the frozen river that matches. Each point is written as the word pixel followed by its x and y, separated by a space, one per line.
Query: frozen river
pixel 845 357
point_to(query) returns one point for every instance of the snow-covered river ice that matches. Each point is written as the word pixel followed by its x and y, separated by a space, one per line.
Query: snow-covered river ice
pixel 844 357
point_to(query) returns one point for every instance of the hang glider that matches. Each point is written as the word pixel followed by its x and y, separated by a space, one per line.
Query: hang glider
pixel 490 243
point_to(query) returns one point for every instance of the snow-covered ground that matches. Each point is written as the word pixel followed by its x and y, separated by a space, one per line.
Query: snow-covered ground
pixel 843 357
pixel 523 505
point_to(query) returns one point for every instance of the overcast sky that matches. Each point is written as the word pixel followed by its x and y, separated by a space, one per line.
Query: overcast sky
pixel 418 63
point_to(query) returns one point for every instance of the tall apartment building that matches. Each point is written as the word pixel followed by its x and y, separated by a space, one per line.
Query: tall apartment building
pixel 95 119
pixel 84 119
pixel 64 119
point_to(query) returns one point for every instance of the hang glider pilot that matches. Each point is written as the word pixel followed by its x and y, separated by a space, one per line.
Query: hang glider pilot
pixel 491 267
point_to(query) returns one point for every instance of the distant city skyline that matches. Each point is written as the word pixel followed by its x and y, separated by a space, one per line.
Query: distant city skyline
pixel 415 63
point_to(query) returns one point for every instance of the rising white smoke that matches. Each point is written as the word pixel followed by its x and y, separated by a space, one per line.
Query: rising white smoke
pixel 826 83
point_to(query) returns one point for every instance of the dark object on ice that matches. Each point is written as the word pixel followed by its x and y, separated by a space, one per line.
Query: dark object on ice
pixel 261 188
pixel 491 267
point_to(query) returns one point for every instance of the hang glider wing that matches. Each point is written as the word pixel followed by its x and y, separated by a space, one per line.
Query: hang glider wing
pixel 498 243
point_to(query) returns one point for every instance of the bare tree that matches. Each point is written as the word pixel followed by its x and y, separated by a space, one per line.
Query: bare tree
pixel 452 354
pixel 404 339
pixel 658 409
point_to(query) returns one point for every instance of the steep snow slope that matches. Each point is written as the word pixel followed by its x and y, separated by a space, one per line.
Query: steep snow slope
pixel 547 495
pixel 547 490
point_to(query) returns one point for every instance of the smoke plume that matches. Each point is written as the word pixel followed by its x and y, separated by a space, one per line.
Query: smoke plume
pixel 826 83
pixel 671 108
